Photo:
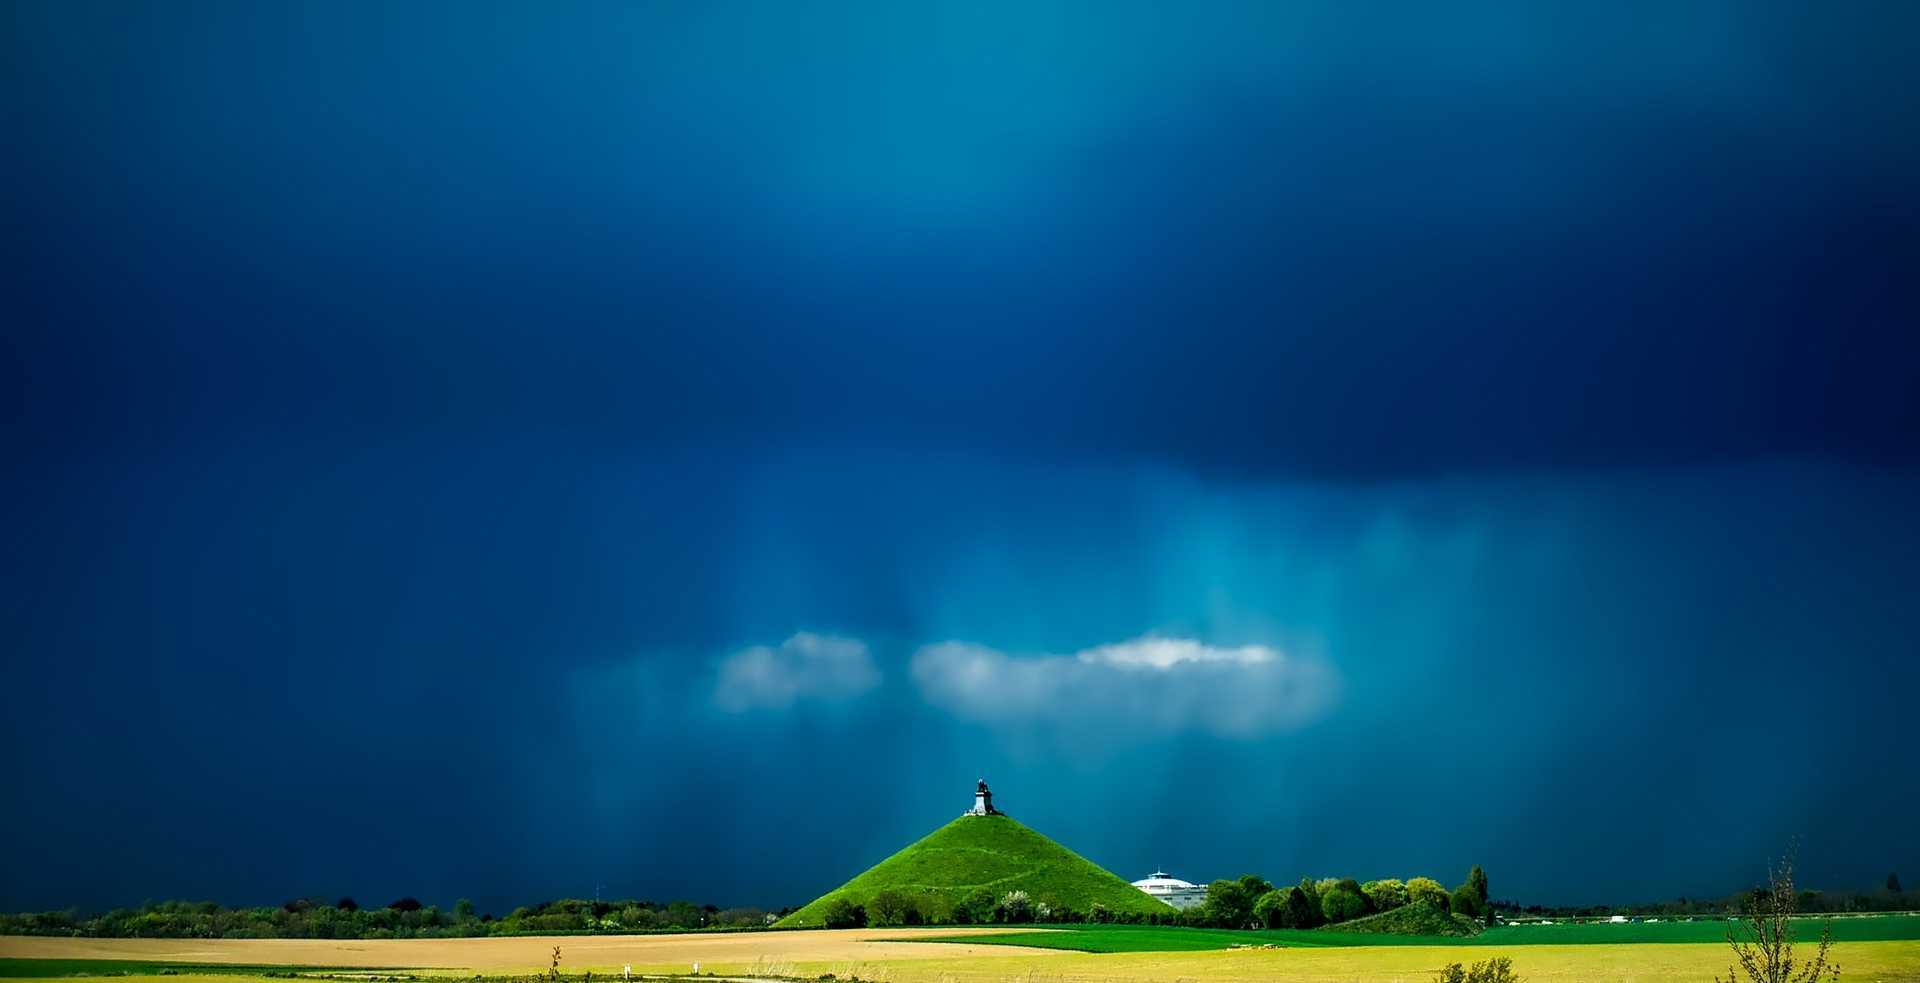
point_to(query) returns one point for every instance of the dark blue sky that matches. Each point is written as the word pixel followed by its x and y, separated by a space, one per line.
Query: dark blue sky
pixel 504 451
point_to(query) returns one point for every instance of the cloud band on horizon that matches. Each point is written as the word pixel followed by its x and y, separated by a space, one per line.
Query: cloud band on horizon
pixel 805 667
pixel 1157 686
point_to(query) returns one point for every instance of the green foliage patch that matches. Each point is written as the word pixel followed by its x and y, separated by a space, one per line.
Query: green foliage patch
pixel 1412 919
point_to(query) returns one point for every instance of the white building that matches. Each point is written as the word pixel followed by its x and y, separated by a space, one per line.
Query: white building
pixel 1164 887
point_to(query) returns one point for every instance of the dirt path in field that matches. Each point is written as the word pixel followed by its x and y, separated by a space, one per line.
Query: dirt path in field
pixel 600 953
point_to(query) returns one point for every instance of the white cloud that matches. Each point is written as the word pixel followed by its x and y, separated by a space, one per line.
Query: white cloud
pixel 1167 653
pixel 1149 686
pixel 820 668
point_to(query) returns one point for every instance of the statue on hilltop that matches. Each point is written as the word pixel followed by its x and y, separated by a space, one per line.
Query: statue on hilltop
pixel 983 801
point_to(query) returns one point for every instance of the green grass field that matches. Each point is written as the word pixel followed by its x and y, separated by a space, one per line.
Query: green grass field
pixel 992 853
pixel 1140 938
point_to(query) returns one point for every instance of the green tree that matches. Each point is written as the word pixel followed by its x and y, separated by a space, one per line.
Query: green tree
pixel 1310 892
pixel 1344 903
pixel 1477 880
pixel 1465 902
pixel 463 910
pixel 1270 909
pixel 1255 885
pixel 1228 905
pixel 1428 890
pixel 683 914
pixel 1301 913
pixel 976 908
pixel 1386 894
pixel 1015 908
pixel 890 907
pixel 842 913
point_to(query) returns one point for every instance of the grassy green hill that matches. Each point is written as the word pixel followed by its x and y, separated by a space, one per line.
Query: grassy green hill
pixel 993 853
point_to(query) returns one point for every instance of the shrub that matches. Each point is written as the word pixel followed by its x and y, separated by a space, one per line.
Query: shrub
pixel 1498 970
pixel 1762 938
pixel 1098 914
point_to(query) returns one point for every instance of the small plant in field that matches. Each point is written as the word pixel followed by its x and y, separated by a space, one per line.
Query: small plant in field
pixel 553 968
pixel 1762 940
pixel 1498 970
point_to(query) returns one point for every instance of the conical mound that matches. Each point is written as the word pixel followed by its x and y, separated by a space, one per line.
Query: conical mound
pixel 991 854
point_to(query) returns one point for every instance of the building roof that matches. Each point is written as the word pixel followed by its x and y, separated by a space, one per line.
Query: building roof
pixel 1161 879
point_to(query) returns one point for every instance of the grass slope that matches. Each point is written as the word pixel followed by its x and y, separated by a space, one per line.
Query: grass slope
pixel 991 853
pixel 1413 919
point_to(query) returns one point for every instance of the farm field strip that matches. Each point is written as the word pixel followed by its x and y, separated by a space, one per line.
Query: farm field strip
pixel 512 954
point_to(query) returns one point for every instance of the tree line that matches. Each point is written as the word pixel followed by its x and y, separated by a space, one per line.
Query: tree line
pixel 1891 897
pixel 1253 902
pixel 1248 902
pixel 404 918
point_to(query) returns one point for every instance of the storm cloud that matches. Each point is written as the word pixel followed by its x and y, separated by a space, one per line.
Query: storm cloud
pixel 602 435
